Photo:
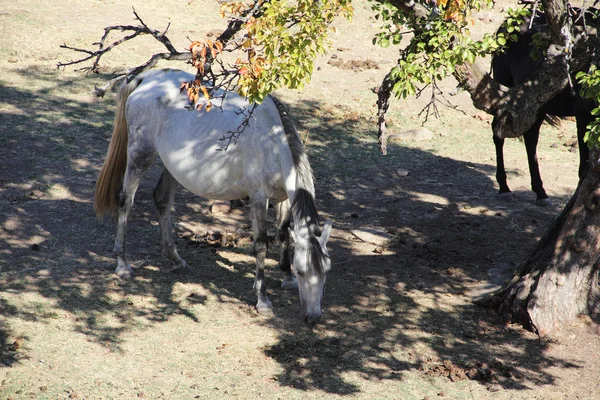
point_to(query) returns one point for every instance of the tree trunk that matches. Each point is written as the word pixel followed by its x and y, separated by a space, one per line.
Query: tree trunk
pixel 559 280
pixel 383 102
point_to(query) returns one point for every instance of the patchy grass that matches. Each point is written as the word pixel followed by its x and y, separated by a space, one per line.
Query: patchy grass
pixel 398 319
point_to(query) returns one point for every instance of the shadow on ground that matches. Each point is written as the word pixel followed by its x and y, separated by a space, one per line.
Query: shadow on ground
pixel 385 314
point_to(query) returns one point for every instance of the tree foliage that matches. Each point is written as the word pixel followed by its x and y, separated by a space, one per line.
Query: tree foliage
pixel 591 89
pixel 275 43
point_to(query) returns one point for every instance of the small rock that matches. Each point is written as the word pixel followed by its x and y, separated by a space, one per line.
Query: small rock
pixel 402 172
pixel 17 344
pixel 354 215
pixel 35 247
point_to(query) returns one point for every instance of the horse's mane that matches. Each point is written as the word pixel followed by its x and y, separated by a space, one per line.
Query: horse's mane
pixel 301 164
pixel 304 207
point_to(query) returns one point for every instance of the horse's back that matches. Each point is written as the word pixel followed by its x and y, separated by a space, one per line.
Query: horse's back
pixel 190 143
pixel 517 63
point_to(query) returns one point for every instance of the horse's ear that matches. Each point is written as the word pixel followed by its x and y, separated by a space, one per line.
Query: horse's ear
pixel 326 232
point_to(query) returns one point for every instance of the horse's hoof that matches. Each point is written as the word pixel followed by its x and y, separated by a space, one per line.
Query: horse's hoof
pixel 124 273
pixel 289 282
pixel 506 196
pixel 543 202
pixel 181 268
pixel 264 307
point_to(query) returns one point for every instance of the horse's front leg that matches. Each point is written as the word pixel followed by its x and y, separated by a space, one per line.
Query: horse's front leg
pixel 259 228
pixel 283 223
pixel 163 195
pixel 504 192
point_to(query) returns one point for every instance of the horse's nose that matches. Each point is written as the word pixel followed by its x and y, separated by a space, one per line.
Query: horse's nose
pixel 312 319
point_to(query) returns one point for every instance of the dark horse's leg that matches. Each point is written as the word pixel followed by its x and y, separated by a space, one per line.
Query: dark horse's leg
pixel 584 117
pixel 164 194
pixel 531 140
pixel 504 192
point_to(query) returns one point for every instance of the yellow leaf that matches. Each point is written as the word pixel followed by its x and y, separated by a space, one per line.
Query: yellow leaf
pixel 247 44
pixel 205 92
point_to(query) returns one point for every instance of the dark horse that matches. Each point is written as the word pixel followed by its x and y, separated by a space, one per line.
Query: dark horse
pixel 513 67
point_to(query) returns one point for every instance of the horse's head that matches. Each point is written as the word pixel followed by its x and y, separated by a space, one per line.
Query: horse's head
pixel 311 265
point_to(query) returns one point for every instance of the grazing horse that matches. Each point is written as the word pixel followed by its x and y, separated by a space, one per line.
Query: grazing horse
pixel 268 162
pixel 513 67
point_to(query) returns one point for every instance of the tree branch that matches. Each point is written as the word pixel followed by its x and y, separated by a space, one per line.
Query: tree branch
pixel 516 108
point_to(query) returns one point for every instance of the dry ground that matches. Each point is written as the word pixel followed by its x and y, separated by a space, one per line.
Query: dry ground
pixel 398 320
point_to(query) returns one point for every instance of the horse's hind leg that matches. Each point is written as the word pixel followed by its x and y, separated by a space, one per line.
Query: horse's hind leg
pixel 163 195
pixel 137 164
pixel 283 223
pixel 504 192
pixel 531 140
pixel 259 228
pixel 584 118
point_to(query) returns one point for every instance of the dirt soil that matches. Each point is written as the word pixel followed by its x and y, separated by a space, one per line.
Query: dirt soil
pixel 417 236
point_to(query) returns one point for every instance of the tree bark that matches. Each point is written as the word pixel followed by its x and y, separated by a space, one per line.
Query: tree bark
pixel 559 280
pixel 383 100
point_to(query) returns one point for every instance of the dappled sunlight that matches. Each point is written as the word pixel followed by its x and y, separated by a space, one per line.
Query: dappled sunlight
pixel 393 311
pixel 429 198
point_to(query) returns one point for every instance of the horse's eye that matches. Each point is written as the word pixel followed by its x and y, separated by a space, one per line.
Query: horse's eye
pixel 300 273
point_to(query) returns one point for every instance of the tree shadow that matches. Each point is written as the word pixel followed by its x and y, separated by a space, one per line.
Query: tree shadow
pixel 377 322
pixel 385 314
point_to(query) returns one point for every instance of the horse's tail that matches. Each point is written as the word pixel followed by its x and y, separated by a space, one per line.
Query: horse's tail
pixel 303 204
pixel 553 120
pixel 111 175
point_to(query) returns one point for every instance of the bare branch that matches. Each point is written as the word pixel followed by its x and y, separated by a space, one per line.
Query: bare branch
pixel 233 135
pixel 133 72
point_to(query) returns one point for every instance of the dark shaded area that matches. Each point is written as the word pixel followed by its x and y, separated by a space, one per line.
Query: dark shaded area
pixel 55 246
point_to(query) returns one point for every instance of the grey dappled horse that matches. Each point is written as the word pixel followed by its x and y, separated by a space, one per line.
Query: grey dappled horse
pixel 268 162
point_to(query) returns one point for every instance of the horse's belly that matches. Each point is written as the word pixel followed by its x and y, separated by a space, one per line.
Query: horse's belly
pixel 214 176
